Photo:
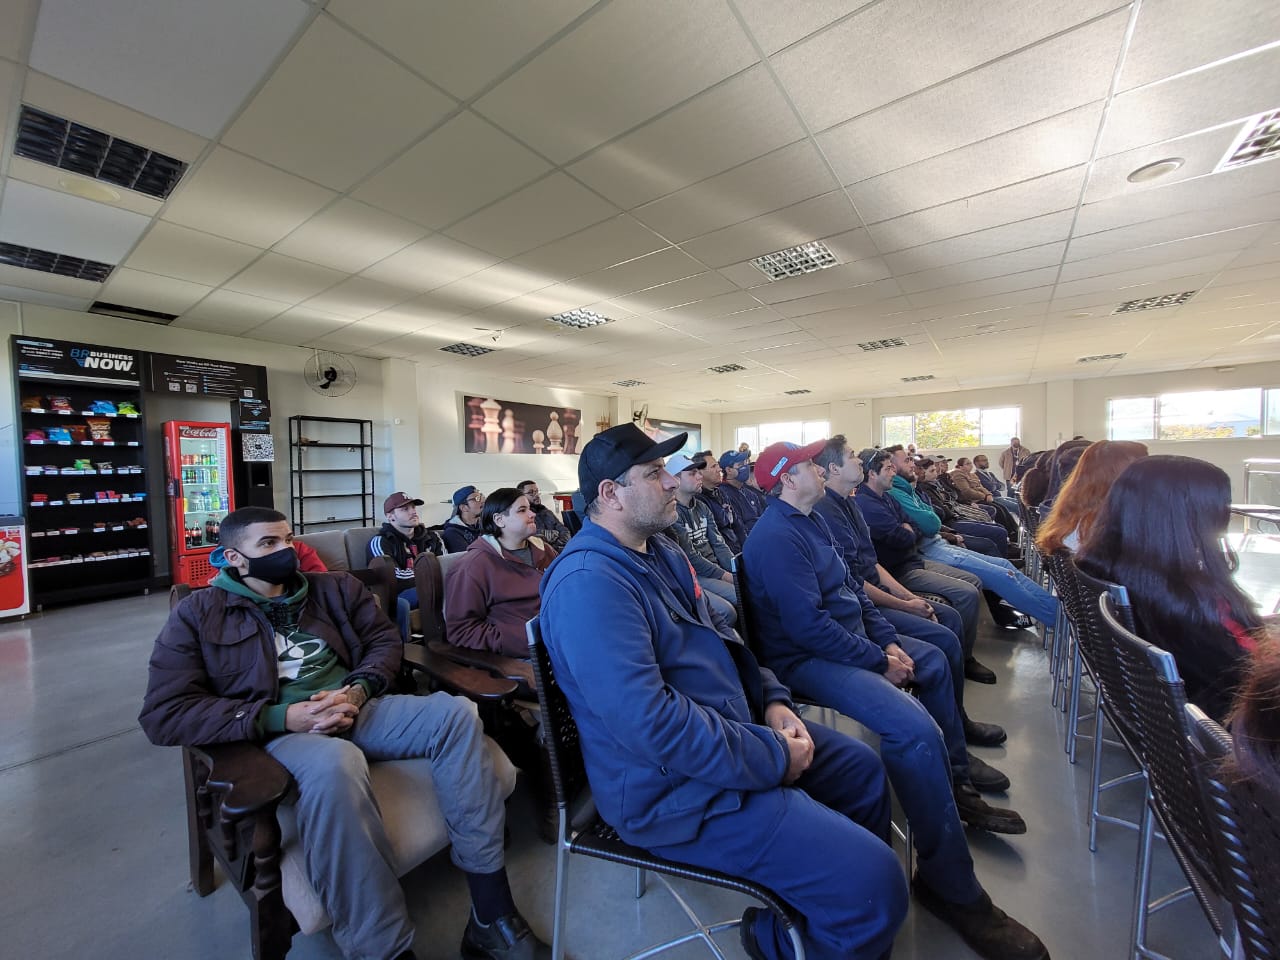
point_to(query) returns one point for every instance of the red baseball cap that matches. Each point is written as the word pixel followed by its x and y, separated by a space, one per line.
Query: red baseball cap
pixel 777 458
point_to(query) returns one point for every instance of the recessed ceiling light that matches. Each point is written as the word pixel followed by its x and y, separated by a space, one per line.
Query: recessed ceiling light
pixel 89 190
pixel 1152 171
pixel 628 383
pixel 919 379
pixel 579 319
pixel 796 261
pixel 48 262
pixel 1101 357
pixel 727 368
pixel 796 393
pixel 1155 303
pixel 1259 139
pixel 467 349
pixel 887 344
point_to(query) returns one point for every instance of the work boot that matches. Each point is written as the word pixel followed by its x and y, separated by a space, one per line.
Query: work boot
pixel 977 813
pixel 985 777
pixel 983 734
pixel 978 672
pixel 986 928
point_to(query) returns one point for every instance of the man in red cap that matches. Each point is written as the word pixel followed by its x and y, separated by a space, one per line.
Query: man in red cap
pixel 403 538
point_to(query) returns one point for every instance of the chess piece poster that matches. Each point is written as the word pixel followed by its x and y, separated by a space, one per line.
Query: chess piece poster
pixel 494 425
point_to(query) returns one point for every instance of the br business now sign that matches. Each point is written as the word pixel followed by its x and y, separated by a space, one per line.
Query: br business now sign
pixel 77 362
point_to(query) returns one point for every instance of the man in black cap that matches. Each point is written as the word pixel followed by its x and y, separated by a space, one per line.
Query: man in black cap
pixel 693 750
pixel 403 539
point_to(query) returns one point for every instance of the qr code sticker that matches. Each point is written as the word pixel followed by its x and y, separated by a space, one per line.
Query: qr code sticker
pixel 257 447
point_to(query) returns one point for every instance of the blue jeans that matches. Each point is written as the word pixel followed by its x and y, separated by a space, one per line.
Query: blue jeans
pixel 945 635
pixel 988 531
pixel 963 591
pixel 922 746
pixel 998 575
pixel 406 603
pixel 821 845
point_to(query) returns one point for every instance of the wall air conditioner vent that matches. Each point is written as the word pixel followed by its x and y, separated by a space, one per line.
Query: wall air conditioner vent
pixel 467 349
pixel 1259 139
pixel 1102 358
pixel 628 383
pixel 888 344
pixel 727 368
pixel 131 313
pixel 47 262
pixel 1155 303
pixel 62 143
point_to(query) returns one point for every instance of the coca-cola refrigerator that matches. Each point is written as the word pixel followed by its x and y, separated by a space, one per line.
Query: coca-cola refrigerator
pixel 197 459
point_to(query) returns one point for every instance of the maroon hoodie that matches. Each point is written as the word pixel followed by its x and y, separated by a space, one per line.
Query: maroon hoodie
pixel 490 595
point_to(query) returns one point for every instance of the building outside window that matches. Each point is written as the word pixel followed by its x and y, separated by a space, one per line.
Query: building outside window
pixel 952 429
pixel 1195 415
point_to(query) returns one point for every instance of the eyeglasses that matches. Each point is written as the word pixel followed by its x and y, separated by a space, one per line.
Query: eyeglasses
pixel 476 498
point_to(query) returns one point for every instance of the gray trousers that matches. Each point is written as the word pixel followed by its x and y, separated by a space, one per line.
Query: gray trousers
pixel 346 850
pixel 721 596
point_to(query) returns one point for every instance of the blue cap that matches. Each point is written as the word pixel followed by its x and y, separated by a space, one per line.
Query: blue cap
pixel 460 495
pixel 732 458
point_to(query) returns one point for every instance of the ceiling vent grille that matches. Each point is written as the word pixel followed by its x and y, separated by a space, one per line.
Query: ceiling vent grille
pixel 131 313
pixel 467 349
pixel 1259 139
pixel 919 379
pixel 715 401
pixel 61 143
pixel 629 383
pixel 889 344
pixel 1102 358
pixel 727 368
pixel 1155 303
pixel 580 319
pixel 59 263
pixel 796 261
pixel 795 393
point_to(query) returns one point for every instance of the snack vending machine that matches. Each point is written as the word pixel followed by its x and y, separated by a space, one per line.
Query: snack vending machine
pixel 197 460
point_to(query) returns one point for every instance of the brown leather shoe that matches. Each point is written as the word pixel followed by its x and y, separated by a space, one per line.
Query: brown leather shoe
pixel 986 928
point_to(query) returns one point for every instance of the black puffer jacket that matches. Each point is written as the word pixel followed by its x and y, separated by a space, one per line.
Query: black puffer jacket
pixel 213 667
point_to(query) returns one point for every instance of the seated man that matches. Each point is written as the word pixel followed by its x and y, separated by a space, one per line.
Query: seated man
pixel 726 517
pixel 712 560
pixel 301 663
pixel 549 528
pixel 816 632
pixel 733 490
pixel 463 526
pixel 403 539
pixel 692 749
pixel 992 484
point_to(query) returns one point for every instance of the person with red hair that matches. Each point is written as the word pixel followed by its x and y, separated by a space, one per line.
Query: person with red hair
pixel 1080 500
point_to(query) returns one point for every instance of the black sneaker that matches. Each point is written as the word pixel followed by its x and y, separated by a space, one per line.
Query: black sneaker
pixel 507 938
pixel 747 933
pixel 977 813
pixel 985 777
pixel 978 672
pixel 1019 621
pixel 983 734
pixel 986 928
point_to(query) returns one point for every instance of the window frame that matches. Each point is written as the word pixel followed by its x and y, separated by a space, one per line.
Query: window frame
pixel 978 411
pixel 1268 401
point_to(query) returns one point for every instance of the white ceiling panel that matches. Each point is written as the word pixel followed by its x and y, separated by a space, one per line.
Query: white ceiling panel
pixel 358 297
pixel 769 183
pixel 224 311
pixel 64 181
pixel 431 262
pixel 1163 45
pixel 746 116
pixel 19 17
pixel 325 88
pixel 133 288
pixel 960 293
pixel 233 196
pixel 1212 244
pixel 859 64
pixel 852 297
pixel 299 325
pixel 174 251
pixel 276 277
pixel 983 243
pixel 841 277
pixel 1199 154
pixel 60 223
pixel 673 294
pixel 69 287
pixel 187 62
pixel 639 274
pixel 1052 78
pixel 606 244
pixel 1030 258
pixel 743 307
pixel 464 165
pixel 547 210
pixel 460 46
pixel 25 295
pixel 813 219
pixel 494 284
pixel 628 62
pixel 349 236
pixel 779 25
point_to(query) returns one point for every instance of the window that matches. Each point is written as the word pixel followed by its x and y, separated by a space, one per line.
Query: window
pixel 1195 415
pixel 792 431
pixel 952 429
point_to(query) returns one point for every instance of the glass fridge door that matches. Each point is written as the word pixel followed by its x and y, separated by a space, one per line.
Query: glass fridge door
pixel 203 462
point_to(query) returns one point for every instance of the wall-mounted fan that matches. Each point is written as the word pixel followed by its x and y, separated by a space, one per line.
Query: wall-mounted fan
pixel 329 374
pixel 641 416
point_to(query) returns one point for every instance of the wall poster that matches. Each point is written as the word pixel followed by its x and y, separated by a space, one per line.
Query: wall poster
pixel 506 426
pixel 659 430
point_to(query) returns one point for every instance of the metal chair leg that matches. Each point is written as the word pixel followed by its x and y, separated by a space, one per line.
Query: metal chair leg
pixel 641 881
pixel 1142 882
pixel 562 883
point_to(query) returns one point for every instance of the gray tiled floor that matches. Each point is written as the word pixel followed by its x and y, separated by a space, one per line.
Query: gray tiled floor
pixel 93 847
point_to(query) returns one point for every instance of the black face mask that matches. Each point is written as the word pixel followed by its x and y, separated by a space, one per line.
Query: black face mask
pixel 278 568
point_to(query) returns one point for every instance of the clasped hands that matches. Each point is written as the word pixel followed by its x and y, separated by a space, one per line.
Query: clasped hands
pixel 327 712
pixel 781 719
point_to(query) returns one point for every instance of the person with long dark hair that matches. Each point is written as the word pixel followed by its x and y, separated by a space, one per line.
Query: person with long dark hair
pixel 1161 535
pixel 1061 465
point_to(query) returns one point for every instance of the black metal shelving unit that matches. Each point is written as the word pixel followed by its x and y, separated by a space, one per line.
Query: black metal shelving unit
pixel 326 455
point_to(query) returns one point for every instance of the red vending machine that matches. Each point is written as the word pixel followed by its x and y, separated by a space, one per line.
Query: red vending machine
pixel 197 459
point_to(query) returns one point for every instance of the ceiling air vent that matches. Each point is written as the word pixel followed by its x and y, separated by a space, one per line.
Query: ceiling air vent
pixel 59 263
pixel 580 319
pixel 131 313
pixel 888 344
pixel 715 401
pixel 795 393
pixel 1259 139
pixel 1155 303
pixel 1102 358
pixel 727 368
pixel 628 383
pixel 61 143
pixel 919 379
pixel 467 349
pixel 796 261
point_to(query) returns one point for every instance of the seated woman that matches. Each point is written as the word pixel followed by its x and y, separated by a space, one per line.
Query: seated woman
pixel 1161 534
pixel 492 591
pixel 1079 502
pixel 1034 481
pixel 965 519
pixel 1061 465
pixel 1255 721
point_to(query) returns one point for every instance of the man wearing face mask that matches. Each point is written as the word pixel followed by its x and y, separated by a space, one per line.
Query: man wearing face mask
pixel 733 488
pixel 302 663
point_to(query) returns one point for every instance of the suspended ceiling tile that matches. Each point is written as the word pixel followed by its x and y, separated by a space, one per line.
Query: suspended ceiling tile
pixel 224 311
pixel 299 325
pixel 358 297
pixel 744 117
pixel 174 251
pixel 239 198
pixel 458 169
pixel 1022 154
pixel 64 181
pixel 1162 45
pixel 1031 258
pixel 983 243
pixel 69 287
pixel 742 307
pixel 1248 274
pixel 187 62
pixel 628 62
pixel 677 292
pixel 777 25
pixel 23 295
pixel 768 183
pixel 1043 81
pixel 349 236
pixel 544 211
pixel 1212 244
pixel 430 263
pixel 859 64
pixel 489 286
pixel 58 222
pixel 133 288
pixel 19 17
pixel 638 274
pixel 335 109
pixel 275 277
pixel 606 244
pixel 840 299
pixel 460 46
pixel 1026 280
pixel 1199 154
pixel 815 219
pixel 844 276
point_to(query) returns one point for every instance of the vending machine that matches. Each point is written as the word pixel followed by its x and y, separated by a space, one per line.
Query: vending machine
pixel 197 460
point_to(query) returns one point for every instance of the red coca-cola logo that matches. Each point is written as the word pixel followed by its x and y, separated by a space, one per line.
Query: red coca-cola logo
pixel 198 431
